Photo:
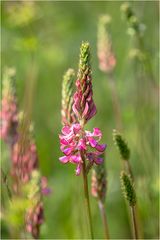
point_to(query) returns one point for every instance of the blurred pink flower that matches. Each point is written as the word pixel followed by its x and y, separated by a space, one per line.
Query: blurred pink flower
pixel 34 219
pixel 8 113
pixel 106 56
pixel 24 161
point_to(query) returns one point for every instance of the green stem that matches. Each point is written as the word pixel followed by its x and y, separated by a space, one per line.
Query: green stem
pixel 134 223
pixel 86 193
pixel 104 218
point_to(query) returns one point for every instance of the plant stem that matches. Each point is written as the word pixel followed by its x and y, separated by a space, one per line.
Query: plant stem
pixel 86 194
pixel 134 223
pixel 104 218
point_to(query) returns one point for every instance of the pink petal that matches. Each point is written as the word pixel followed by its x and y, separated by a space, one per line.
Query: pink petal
pixel 63 141
pixel 92 112
pixel 66 130
pixel 74 108
pixel 85 110
pixel 98 160
pixel 92 141
pixel 46 191
pixel 82 145
pixel 78 169
pixel 101 147
pixel 64 159
pixel 67 151
pixel 91 156
pixel 76 127
pixel 97 132
pixel 75 159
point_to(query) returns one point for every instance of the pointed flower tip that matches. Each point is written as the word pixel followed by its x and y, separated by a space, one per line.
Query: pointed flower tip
pixel 83 106
pixel 84 54
pixel 122 145
pixel 128 188
pixel 68 75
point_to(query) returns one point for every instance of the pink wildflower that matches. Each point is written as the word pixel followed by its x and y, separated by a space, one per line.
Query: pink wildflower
pixel 73 140
pixel 24 161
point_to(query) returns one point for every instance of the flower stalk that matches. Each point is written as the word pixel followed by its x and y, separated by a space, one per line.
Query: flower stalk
pixel 79 146
pixel 86 194
pixel 104 218
pixel 98 190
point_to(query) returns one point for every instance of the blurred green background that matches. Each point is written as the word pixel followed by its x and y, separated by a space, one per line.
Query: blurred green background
pixel 41 40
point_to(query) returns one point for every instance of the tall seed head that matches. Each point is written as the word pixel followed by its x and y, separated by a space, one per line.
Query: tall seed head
pixel 134 25
pixel 128 188
pixel 122 145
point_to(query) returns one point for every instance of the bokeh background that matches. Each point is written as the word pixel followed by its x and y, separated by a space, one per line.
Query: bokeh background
pixel 41 40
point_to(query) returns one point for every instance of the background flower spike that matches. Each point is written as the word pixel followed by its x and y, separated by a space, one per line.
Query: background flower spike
pixel 106 56
pixel 9 112
pixel 67 115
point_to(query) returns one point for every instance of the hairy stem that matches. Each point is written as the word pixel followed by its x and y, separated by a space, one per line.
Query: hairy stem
pixel 104 218
pixel 86 193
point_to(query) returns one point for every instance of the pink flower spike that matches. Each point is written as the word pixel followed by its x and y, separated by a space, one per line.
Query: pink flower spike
pixel 64 159
pixel 78 169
